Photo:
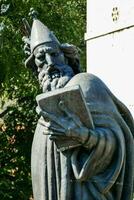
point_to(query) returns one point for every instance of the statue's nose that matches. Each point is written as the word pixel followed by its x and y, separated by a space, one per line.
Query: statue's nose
pixel 49 60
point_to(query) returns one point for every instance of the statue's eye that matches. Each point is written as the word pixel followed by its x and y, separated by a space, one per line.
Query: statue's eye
pixel 40 56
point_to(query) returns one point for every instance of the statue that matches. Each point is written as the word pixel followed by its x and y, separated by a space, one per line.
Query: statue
pixel 101 166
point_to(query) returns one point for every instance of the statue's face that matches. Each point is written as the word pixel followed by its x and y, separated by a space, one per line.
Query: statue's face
pixel 52 66
pixel 48 55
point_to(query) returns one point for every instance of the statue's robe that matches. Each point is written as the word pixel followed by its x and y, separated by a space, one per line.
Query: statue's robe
pixel 102 168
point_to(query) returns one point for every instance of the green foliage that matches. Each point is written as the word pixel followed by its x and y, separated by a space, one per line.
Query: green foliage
pixel 67 19
pixel 16 137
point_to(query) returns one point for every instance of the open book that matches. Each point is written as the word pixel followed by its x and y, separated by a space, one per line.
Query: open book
pixel 58 102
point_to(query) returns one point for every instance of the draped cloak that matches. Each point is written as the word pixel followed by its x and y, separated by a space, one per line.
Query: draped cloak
pixel 100 169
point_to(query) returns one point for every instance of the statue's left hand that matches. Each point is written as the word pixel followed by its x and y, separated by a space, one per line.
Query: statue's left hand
pixel 68 126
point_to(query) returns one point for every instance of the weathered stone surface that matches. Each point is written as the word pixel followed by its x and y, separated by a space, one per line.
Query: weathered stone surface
pixel 101 165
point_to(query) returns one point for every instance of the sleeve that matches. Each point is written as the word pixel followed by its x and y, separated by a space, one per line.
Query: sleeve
pixel 101 147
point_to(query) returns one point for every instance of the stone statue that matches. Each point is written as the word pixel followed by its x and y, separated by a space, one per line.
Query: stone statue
pixel 101 167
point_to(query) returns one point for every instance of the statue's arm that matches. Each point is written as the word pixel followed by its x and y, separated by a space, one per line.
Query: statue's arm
pixel 103 142
pixel 101 146
pixel 98 138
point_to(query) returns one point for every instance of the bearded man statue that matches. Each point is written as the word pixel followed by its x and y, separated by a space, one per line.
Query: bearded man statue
pixel 101 168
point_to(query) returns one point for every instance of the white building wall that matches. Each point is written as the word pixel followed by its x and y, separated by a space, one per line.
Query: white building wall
pixel 110 46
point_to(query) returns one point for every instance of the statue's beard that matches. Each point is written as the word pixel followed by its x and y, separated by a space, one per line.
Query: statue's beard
pixel 55 77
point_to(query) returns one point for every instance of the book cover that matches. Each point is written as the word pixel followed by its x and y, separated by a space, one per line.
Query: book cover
pixel 60 102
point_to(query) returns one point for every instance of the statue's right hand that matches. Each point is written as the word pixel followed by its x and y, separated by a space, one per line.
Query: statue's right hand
pixel 49 121
pixel 68 126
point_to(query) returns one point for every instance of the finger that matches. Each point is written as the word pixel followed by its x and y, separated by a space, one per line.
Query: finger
pixel 46 131
pixel 57 130
pixel 55 137
pixel 50 125
pixel 51 118
pixel 43 114
pixel 51 133
pixel 55 119
pixel 44 122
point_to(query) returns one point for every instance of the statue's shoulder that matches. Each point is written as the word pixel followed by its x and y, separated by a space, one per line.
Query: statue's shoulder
pixel 85 80
pixel 93 88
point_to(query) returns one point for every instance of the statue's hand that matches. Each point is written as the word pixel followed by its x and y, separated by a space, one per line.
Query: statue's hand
pixel 68 126
pixel 74 130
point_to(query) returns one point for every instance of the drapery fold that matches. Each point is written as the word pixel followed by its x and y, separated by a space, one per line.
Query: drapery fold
pixel 102 170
